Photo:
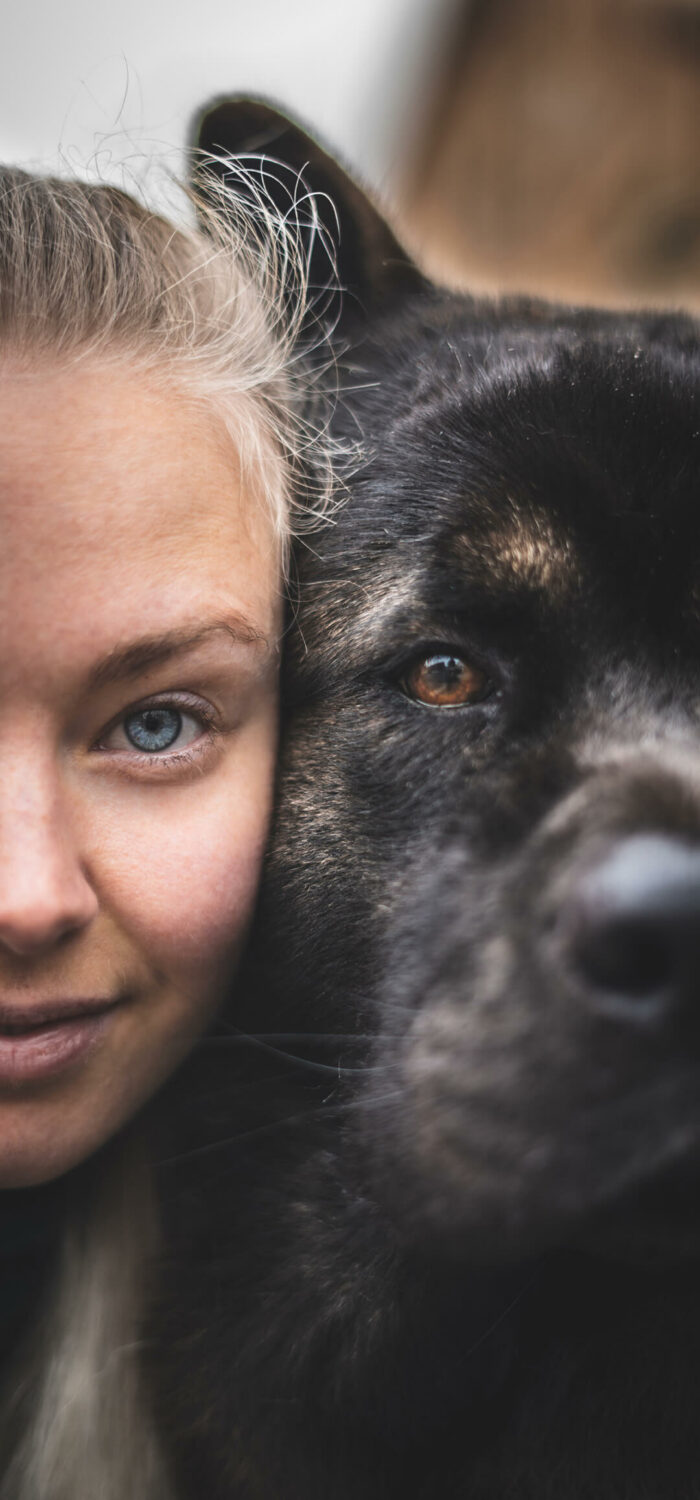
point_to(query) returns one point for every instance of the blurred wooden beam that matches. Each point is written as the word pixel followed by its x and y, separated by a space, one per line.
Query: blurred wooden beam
pixel 561 154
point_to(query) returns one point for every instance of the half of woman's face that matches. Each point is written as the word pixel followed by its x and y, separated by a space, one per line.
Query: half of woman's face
pixel 139 622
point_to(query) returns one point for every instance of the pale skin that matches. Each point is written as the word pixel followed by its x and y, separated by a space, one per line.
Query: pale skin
pixel 136 573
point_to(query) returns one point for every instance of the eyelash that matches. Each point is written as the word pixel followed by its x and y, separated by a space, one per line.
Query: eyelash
pixel 153 760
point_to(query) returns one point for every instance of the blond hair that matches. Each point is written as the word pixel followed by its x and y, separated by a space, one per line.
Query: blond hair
pixel 88 271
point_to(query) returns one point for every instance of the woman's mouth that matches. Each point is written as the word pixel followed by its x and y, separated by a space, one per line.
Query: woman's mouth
pixel 41 1040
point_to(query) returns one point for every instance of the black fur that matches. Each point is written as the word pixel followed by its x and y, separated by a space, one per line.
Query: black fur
pixel 437 1232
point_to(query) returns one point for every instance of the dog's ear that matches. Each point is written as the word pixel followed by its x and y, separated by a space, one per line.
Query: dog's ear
pixel 371 265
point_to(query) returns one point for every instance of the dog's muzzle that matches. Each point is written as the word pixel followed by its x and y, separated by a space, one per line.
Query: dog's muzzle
pixel 543 1023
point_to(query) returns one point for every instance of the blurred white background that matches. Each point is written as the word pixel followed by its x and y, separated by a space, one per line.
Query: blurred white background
pixel 89 84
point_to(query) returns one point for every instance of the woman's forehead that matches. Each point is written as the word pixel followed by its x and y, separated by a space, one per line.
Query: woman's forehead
pixel 122 507
pixel 94 439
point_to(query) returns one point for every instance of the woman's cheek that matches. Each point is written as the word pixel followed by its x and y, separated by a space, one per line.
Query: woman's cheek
pixel 179 869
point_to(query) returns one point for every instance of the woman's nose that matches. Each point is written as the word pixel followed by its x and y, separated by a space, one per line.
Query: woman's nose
pixel 45 892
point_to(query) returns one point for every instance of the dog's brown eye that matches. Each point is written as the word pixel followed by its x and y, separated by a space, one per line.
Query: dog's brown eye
pixel 445 681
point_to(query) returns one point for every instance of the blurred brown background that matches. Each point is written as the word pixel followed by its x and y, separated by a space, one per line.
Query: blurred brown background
pixel 557 150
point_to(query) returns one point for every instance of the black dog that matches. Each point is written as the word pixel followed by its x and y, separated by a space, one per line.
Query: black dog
pixel 444 1215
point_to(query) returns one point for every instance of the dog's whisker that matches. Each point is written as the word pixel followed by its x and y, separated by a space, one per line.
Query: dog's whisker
pixel 279 1038
pixel 502 1317
pixel 259 1131
pixel 270 1044
pixel 291 1057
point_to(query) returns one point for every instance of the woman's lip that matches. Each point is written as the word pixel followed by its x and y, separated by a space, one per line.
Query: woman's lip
pixel 21 1018
pixel 44 1049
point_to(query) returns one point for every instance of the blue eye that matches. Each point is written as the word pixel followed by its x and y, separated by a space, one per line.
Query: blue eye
pixel 153 729
pixel 157 728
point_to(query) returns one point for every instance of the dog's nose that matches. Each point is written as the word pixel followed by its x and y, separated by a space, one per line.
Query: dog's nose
pixel 634 929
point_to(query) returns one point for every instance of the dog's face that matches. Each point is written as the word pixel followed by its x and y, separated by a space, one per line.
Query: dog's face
pixel 489 832
pixel 487 853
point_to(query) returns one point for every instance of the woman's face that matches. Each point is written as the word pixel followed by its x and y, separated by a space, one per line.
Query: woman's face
pixel 139 621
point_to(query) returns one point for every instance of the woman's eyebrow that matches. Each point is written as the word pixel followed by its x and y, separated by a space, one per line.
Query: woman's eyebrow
pixel 153 650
